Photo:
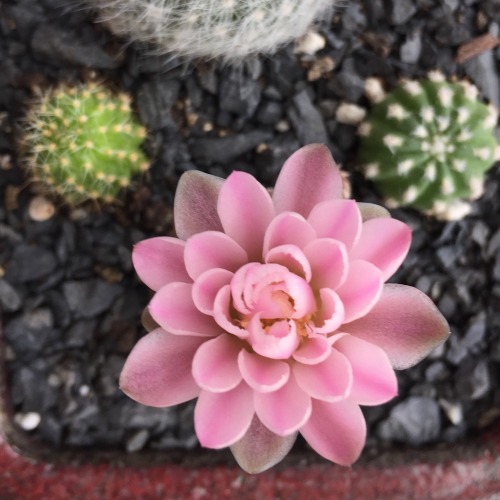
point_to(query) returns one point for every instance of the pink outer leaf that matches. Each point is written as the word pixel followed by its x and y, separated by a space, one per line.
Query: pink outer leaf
pixel 245 210
pixel 158 370
pixel 288 228
pixel 307 178
pixel 222 419
pixel 372 211
pixel 260 449
pixel 159 261
pixel 337 431
pixel 330 380
pixel 405 323
pixel 384 242
pixel 211 250
pixel 337 219
pixel 207 286
pixel 329 263
pixel 263 374
pixel 195 205
pixel 283 411
pixel 374 380
pixel 173 309
pixel 361 289
pixel 215 364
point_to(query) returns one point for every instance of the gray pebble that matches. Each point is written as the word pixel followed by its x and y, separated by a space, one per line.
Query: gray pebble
pixel 137 441
pixel 238 93
pixel 416 421
pixel 88 298
pixel 10 300
pixel 306 120
pixel 50 43
pixel 30 263
pixel 473 381
pixel 482 71
pixel 402 10
pixel 225 149
pixel 411 49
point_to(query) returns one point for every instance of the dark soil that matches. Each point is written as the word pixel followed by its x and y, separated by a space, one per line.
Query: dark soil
pixel 70 300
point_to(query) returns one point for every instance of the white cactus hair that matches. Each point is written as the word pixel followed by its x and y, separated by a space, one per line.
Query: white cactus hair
pixel 226 29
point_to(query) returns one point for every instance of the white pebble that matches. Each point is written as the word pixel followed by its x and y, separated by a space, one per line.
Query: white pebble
pixel 84 390
pixel 310 43
pixel 40 209
pixel 374 90
pixel 28 421
pixel 350 114
pixel 453 411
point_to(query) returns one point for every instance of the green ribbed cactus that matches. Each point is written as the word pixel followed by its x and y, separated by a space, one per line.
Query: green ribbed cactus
pixel 84 142
pixel 427 144
pixel 230 29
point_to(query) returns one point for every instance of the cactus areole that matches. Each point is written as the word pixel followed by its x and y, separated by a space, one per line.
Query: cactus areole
pixel 428 143
pixel 84 143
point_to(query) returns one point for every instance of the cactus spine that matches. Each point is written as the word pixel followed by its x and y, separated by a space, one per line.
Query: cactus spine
pixel 230 29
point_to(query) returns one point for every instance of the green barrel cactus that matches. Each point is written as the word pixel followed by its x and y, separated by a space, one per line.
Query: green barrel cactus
pixel 428 143
pixel 84 142
pixel 229 29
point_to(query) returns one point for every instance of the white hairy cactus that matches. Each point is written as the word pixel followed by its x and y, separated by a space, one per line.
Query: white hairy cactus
pixel 230 29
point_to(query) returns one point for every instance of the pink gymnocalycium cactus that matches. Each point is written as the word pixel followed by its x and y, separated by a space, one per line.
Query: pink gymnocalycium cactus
pixel 272 310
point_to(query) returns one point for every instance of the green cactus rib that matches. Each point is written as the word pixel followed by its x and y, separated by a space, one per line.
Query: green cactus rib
pixel 84 142
pixel 428 144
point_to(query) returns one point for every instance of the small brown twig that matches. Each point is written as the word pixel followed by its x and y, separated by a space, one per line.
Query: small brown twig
pixel 475 47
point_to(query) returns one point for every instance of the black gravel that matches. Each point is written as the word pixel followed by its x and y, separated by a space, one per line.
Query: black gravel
pixel 70 301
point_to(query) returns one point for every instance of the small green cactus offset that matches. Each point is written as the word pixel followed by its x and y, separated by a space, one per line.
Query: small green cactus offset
pixel 84 142
pixel 427 144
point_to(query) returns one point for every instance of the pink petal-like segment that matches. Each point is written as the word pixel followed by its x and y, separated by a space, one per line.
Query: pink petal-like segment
pixel 159 261
pixel 405 323
pixel 337 219
pixel 361 289
pixel 330 380
pixel 283 411
pixel 374 380
pixel 329 263
pixel 263 374
pixel 173 309
pixel 292 258
pixel 207 286
pixel 384 242
pixel 195 205
pixel 211 250
pixel 288 228
pixel 222 313
pixel 158 370
pixel 279 342
pixel 337 431
pixel 307 178
pixel 331 314
pixel 245 209
pixel 260 449
pixel 222 419
pixel 314 350
pixel 215 364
